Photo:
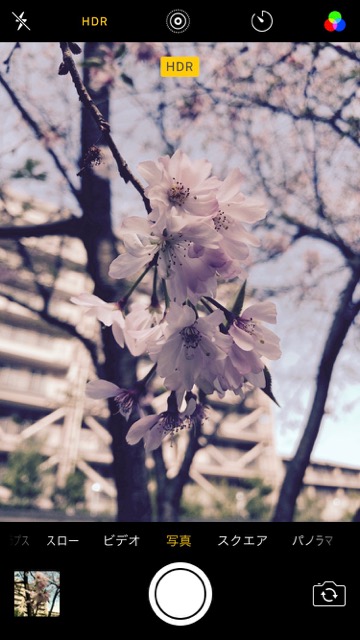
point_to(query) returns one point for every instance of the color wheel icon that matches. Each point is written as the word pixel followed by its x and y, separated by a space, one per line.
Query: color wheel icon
pixel 335 22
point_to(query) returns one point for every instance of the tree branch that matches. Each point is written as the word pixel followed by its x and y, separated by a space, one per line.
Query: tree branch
pixel 304 115
pixel 17 45
pixel 304 230
pixel 60 324
pixel 44 292
pixel 344 52
pixel 344 317
pixel 86 100
pixel 39 134
pixel 69 227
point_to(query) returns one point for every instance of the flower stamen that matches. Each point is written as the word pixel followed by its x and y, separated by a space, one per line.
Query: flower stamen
pixel 178 193
pixel 191 339
pixel 221 221
pixel 246 325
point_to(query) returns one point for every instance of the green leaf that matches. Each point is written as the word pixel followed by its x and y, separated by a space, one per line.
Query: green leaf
pixel 120 51
pixel 93 62
pixel 239 302
pixel 28 171
pixel 267 389
pixel 127 79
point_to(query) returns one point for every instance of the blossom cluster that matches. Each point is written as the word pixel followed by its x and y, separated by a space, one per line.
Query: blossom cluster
pixel 36 594
pixel 194 237
pixel 40 594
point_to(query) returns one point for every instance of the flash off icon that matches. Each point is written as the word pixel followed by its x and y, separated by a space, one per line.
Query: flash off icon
pixel 21 20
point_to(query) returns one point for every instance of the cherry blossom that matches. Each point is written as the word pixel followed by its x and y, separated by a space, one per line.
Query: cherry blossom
pixel 105 69
pixel 195 231
pixel 154 428
pixel 146 51
pixel 125 399
pixel 177 250
pixel 195 235
pixel 143 328
pixel 103 311
pixel 192 348
pixel 240 367
pixel 40 596
pixel 249 334
pixel 180 185
pixel 106 312
pixel 41 580
pixel 234 210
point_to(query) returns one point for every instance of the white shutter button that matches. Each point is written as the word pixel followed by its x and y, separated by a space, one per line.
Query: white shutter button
pixel 180 594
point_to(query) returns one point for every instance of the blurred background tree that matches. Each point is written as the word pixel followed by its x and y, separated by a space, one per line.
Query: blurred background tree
pixel 23 476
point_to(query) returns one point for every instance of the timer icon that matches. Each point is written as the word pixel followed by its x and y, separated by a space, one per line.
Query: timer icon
pixel 262 21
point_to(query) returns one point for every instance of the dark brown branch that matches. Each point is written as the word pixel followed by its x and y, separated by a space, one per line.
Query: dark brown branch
pixel 69 227
pixel 169 491
pixel 44 292
pixel 304 230
pixel 17 45
pixel 60 324
pixel 304 115
pixel 344 317
pixel 344 52
pixel 53 601
pixel 104 126
pixel 39 134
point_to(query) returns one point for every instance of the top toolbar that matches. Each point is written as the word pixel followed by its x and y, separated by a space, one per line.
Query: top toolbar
pixel 323 22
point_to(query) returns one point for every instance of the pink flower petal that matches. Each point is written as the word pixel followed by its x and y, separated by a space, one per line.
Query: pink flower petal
pixel 265 311
pixel 241 338
pixel 98 389
pixel 140 428
pixel 88 300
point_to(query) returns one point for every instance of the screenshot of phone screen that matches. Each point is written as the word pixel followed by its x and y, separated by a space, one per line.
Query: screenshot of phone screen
pixel 179 318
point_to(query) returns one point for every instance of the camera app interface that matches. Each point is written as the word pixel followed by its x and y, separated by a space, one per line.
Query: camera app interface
pixel 179 305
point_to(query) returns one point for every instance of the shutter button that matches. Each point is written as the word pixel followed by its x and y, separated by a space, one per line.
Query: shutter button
pixel 180 594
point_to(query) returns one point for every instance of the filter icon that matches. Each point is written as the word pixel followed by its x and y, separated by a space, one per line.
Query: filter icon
pixel 335 22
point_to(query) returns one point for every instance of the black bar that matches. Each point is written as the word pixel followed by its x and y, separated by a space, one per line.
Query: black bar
pixel 261 574
pixel 291 23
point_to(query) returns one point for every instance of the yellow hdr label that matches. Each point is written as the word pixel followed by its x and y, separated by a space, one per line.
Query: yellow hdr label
pixel 179 66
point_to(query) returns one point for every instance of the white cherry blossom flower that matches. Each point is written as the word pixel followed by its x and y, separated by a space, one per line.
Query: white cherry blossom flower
pixel 40 596
pixel 235 209
pixel 192 348
pixel 41 580
pixel 249 334
pixel 106 312
pixel 178 250
pixel 251 342
pixel 240 367
pixel 196 232
pixel 139 244
pixel 143 328
pixel 237 205
pixel 103 311
pixel 154 428
pixel 126 399
pixel 180 184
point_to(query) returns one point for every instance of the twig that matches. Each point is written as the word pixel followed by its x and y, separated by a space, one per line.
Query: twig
pixel 68 65
pixel 61 324
pixel 17 45
pixel 40 136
